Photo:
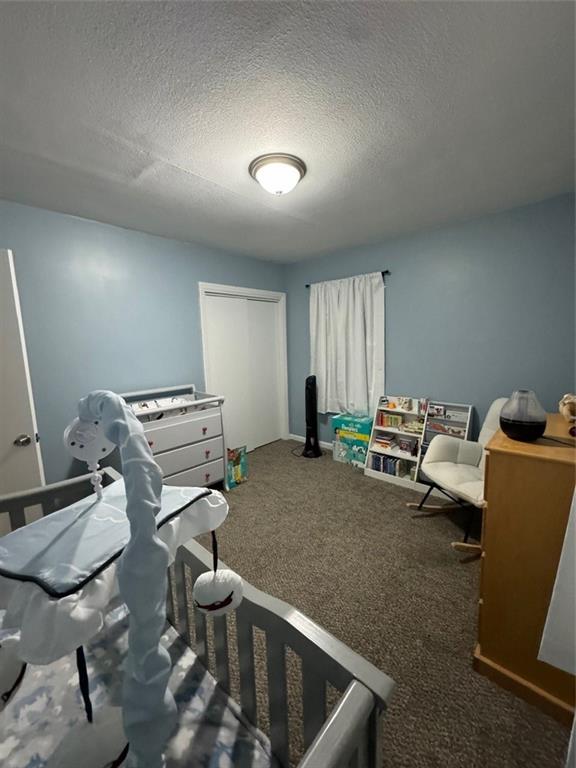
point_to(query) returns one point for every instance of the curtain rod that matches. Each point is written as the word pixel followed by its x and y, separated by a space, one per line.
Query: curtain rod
pixel 384 273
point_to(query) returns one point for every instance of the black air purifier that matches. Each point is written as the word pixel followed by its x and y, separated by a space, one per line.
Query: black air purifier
pixel 311 447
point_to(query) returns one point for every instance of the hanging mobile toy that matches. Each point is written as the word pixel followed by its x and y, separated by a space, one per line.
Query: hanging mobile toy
pixel 86 441
pixel 218 591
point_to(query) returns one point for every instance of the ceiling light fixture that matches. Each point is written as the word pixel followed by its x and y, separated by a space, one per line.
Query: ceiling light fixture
pixel 277 173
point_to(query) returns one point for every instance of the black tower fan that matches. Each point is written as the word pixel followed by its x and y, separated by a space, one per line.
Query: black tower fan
pixel 311 447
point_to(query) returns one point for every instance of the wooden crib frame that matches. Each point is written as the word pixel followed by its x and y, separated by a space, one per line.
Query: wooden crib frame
pixel 349 737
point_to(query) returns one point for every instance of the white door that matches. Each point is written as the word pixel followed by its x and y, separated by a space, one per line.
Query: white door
pixel 243 336
pixel 226 364
pixel 20 458
pixel 264 363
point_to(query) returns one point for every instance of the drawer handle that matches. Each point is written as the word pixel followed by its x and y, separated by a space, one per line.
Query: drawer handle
pixel 207 453
pixel 207 476
pixel 150 443
pixel 204 430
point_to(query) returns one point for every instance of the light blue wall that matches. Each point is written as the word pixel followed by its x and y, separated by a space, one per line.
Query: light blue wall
pixel 105 307
pixel 473 311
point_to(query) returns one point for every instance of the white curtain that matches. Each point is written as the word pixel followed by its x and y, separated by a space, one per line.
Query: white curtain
pixel 347 343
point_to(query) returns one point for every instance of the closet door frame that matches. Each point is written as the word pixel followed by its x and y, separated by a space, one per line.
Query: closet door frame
pixel 278 299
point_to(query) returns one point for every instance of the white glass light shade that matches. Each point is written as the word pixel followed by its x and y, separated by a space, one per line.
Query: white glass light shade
pixel 277 174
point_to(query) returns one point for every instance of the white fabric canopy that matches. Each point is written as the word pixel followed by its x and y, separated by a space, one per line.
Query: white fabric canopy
pixel 45 629
pixel 347 343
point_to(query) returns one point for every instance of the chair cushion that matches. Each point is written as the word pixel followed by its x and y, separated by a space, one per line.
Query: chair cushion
pixel 462 480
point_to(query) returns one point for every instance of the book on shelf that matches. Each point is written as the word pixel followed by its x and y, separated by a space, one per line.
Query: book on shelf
pixel 454 415
pixel 389 419
pixel 446 429
pixel 415 425
pixel 407 444
pixel 384 441
pixel 390 465
pixel 397 421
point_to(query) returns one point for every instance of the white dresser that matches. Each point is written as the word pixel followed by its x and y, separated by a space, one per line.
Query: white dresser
pixel 187 440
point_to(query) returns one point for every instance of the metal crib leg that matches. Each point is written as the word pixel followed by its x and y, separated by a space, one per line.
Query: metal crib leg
pixel 84 682
pixel 468 528
pixel 424 498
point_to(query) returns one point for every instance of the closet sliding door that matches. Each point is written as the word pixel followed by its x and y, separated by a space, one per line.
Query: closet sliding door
pixel 244 341
pixel 227 363
pixel 264 376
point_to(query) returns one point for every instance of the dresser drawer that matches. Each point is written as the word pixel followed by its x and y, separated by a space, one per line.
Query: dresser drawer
pixel 198 476
pixel 189 429
pixel 189 456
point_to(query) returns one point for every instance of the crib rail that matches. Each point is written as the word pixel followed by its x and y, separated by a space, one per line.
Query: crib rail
pixel 340 742
pixel 350 737
pixel 18 509
pixel 260 639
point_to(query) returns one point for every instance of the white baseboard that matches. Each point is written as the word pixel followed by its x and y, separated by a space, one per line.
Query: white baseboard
pixel 322 443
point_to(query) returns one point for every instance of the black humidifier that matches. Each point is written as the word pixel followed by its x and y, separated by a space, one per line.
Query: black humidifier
pixel 522 417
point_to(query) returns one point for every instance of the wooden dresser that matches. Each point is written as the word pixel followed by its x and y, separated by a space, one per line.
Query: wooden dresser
pixel 529 489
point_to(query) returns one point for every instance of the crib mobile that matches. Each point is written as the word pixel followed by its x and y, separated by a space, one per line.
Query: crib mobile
pixel 148 707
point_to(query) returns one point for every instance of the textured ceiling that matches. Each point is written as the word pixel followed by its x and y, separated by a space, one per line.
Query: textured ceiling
pixel 407 114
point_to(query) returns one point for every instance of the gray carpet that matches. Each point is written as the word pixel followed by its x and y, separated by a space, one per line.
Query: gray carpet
pixel 344 549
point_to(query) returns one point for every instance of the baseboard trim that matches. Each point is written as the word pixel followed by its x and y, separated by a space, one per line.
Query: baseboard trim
pixel 322 443
pixel 547 702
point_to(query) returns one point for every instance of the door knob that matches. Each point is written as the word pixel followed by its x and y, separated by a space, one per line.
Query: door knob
pixel 22 440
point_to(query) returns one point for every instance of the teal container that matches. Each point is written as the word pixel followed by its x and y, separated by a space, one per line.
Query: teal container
pixel 352 438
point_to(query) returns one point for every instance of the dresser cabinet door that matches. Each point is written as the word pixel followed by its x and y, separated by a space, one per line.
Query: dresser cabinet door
pixel 189 456
pixel 206 474
pixel 190 429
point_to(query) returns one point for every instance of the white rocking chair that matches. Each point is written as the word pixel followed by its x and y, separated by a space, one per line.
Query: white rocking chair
pixel 456 468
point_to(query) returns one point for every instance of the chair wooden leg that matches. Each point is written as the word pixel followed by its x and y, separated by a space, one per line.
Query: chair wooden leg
pixel 463 546
pixel 420 504
pixel 435 508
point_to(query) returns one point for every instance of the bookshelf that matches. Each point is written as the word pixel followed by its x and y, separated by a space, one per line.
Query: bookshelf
pixel 453 419
pixel 401 433
pixel 395 441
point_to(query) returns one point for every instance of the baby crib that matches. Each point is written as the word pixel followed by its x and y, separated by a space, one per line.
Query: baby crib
pixel 248 654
